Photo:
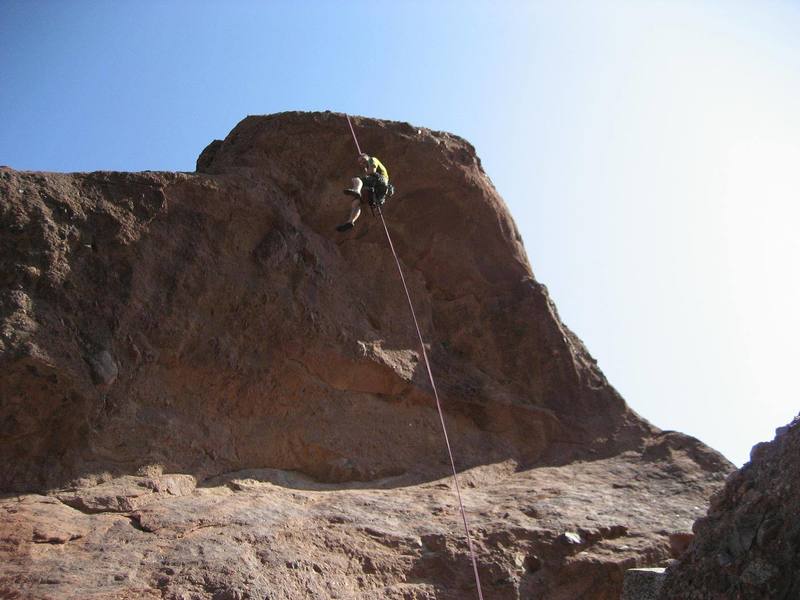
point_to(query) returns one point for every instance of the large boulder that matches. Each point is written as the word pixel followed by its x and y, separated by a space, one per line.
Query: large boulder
pixel 213 327
pixel 748 545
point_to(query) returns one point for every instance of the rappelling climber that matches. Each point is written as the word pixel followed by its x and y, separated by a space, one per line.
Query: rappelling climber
pixel 374 187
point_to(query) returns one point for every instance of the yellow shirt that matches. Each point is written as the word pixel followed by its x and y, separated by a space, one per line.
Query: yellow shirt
pixel 376 166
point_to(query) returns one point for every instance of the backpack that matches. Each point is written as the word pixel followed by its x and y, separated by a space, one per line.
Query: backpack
pixel 387 194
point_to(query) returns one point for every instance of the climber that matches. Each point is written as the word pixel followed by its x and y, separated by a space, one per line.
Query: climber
pixel 375 182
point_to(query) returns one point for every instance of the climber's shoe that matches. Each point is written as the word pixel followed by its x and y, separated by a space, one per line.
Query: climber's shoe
pixel 344 226
pixel 352 192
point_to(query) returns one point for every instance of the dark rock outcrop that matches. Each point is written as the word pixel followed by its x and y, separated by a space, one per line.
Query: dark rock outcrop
pixel 162 330
pixel 748 546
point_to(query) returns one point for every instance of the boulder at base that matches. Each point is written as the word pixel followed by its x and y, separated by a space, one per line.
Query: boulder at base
pixel 748 546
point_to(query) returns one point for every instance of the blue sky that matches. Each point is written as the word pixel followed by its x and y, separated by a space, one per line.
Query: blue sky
pixel 648 150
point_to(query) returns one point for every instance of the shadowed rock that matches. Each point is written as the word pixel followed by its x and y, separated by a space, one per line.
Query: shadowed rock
pixel 748 545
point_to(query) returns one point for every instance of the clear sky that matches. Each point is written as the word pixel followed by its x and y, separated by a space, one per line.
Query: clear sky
pixel 648 150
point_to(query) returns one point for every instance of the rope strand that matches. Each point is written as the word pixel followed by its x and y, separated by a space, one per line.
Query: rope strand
pixel 438 408
pixel 355 139
pixel 433 386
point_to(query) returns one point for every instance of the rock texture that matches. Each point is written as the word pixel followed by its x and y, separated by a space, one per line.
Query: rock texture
pixel 642 584
pixel 208 392
pixel 748 546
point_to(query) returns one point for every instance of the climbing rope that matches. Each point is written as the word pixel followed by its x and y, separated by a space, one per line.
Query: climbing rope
pixel 433 386
pixel 353 131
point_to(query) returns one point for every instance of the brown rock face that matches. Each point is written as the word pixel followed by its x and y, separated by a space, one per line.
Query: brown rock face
pixel 748 546
pixel 208 392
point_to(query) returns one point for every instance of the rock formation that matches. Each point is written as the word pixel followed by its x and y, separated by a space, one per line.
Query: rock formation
pixel 208 392
pixel 748 546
